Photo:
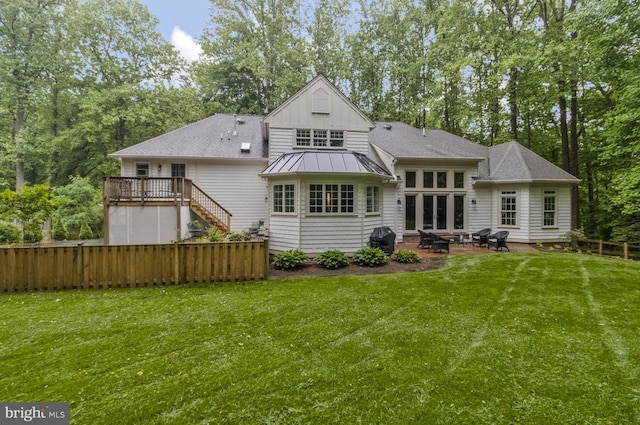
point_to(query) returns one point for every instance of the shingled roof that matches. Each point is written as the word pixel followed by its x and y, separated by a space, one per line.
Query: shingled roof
pixel 511 162
pixel 404 141
pixel 218 136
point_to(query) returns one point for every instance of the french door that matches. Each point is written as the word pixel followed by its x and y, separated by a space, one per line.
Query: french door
pixel 434 212
pixel 443 212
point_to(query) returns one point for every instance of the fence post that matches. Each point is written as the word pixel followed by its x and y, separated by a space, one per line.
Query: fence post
pixel 80 282
pixel 626 250
pixel 176 263
pixel 600 249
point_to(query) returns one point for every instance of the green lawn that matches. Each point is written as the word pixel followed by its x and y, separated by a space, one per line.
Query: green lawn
pixel 491 339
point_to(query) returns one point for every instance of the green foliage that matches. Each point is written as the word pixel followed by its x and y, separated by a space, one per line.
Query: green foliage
pixel 83 204
pixel 59 231
pixel 370 257
pixel 32 233
pixel 31 206
pixel 574 237
pixel 290 260
pixel 213 234
pixel 85 231
pixel 9 233
pixel 332 259
pixel 406 256
pixel 238 237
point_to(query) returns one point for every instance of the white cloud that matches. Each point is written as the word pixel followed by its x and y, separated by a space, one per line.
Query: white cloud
pixel 189 49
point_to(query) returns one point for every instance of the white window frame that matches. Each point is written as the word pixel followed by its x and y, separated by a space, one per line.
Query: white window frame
pixel 284 198
pixel 333 198
pixel 373 199
pixel 142 165
pixel 549 194
pixel 319 138
pixel 510 214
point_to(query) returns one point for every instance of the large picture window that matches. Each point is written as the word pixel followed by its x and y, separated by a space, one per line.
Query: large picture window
pixel 508 208
pixel 331 198
pixel 284 198
pixel 549 208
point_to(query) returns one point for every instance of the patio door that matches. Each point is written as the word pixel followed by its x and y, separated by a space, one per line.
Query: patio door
pixel 434 212
pixel 178 170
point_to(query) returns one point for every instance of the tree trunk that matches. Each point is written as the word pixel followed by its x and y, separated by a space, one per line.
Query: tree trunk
pixel 17 131
pixel 573 161
pixel 513 105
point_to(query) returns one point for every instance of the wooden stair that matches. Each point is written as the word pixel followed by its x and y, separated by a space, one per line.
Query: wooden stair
pixel 209 210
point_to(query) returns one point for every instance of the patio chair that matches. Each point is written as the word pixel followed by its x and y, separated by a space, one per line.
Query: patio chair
pixel 498 241
pixel 425 240
pixel 481 237
pixel 438 243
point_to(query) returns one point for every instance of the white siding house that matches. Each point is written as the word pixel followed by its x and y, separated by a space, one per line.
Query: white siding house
pixel 322 175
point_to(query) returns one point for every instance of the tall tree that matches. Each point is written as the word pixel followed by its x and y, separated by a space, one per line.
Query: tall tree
pixel 27 49
pixel 260 44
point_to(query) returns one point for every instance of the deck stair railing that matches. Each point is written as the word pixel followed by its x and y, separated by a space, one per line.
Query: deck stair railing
pixel 209 210
pixel 172 190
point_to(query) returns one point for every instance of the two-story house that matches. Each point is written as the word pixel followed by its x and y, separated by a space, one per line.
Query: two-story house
pixel 321 175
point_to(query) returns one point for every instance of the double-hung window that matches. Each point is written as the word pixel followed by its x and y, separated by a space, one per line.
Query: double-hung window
pixel 142 170
pixel 508 208
pixel 373 199
pixel 303 137
pixel 549 208
pixel 331 198
pixel 284 198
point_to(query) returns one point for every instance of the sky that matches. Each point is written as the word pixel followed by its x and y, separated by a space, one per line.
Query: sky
pixel 181 22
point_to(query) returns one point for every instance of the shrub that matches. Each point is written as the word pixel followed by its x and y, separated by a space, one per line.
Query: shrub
pixel 290 260
pixel 214 234
pixel 332 259
pixel 406 256
pixel 85 231
pixel 238 237
pixel 9 233
pixel 32 233
pixel 59 231
pixel 370 257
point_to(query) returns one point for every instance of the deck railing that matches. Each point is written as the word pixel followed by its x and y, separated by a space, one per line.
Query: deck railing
pixel 143 189
pixel 176 190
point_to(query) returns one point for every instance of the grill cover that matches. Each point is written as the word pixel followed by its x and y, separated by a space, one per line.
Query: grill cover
pixel 383 238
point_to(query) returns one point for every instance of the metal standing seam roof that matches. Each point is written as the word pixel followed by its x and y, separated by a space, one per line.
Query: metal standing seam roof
pixel 346 162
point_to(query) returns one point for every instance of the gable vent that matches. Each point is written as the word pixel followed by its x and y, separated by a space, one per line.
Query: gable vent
pixel 320 102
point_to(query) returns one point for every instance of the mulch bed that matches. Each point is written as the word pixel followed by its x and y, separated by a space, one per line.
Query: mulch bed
pixel 311 269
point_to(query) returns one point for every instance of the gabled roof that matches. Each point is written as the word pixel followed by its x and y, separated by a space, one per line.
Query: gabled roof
pixel 406 142
pixel 512 162
pixel 309 86
pixel 212 137
pixel 345 162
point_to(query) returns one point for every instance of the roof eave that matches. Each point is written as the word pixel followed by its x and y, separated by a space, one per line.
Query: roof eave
pixel 515 181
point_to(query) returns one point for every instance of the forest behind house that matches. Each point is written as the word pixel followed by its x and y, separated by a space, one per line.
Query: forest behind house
pixel 82 79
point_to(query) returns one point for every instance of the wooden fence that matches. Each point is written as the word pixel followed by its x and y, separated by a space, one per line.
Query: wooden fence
pixel 126 266
pixel 617 249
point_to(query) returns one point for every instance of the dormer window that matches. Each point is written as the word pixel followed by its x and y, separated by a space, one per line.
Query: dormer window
pixel 320 138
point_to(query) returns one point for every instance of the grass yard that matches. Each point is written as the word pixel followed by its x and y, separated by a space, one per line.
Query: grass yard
pixel 490 339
